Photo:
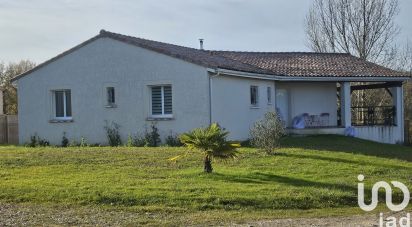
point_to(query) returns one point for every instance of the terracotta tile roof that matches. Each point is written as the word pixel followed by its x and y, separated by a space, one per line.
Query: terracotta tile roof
pixel 309 64
pixel 196 56
pixel 286 64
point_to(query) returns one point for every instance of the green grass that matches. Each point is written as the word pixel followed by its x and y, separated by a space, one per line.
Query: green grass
pixel 314 175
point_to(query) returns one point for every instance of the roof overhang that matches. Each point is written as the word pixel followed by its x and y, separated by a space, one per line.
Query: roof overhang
pixel 306 78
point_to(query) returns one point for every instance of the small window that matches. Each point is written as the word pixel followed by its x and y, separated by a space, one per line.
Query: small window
pixel 111 101
pixel 269 94
pixel 254 95
pixel 161 101
pixel 63 104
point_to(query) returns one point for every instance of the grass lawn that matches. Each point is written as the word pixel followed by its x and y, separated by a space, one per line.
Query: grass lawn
pixel 311 176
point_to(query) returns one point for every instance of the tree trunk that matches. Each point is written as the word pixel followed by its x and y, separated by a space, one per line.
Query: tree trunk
pixel 208 164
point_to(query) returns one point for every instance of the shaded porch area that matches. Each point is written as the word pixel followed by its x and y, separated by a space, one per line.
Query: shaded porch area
pixel 381 123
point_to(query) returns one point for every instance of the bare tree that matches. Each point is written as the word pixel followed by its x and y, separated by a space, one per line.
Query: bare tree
pixel 402 59
pixel 363 28
pixel 403 62
pixel 7 72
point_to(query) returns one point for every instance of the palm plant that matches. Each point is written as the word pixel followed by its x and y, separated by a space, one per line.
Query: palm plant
pixel 212 142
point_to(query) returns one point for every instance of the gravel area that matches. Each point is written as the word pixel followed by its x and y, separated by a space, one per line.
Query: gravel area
pixel 31 215
pixel 351 221
pixel 36 215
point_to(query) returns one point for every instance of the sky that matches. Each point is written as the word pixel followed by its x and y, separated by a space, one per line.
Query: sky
pixel 38 30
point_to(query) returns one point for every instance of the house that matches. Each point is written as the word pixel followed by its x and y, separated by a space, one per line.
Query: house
pixel 135 82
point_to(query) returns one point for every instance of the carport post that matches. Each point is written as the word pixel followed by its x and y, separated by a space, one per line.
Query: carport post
pixel 345 104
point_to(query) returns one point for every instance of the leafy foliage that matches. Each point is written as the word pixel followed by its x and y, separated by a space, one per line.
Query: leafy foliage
pixel 83 142
pixel 152 137
pixel 266 133
pixel 65 140
pixel 36 141
pixel 8 72
pixel 212 142
pixel 129 142
pixel 172 140
pixel 113 134
pixel 136 140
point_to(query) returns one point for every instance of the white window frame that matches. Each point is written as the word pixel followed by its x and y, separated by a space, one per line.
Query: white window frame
pixel 269 95
pixel 257 96
pixel 65 117
pixel 163 115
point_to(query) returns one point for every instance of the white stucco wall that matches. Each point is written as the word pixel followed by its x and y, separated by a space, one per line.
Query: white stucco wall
pixel 231 106
pixel 130 70
pixel 313 98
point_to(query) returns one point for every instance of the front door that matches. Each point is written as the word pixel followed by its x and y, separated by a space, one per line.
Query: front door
pixel 282 104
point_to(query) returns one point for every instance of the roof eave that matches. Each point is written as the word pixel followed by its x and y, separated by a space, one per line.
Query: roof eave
pixel 274 77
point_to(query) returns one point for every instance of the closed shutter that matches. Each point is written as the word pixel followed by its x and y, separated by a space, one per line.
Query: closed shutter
pixel 167 91
pixel 157 100
pixel 68 103
pixel 161 100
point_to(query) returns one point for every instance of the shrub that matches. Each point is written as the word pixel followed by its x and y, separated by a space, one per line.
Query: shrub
pixel 113 135
pixel 33 141
pixel 36 141
pixel 172 140
pixel 245 143
pixel 65 141
pixel 136 140
pixel 212 142
pixel 43 142
pixel 266 133
pixel 129 142
pixel 152 137
pixel 83 142
pixel 73 143
pixel 139 141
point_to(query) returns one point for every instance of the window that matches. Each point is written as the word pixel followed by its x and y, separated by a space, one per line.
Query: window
pixel 162 101
pixel 110 96
pixel 63 104
pixel 269 94
pixel 254 95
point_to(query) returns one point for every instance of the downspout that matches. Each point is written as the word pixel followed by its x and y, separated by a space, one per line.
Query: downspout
pixel 217 73
pixel 402 114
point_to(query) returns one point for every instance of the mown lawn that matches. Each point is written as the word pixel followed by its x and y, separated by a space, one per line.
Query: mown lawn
pixel 313 176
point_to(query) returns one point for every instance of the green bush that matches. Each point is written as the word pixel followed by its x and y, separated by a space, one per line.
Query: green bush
pixel 212 142
pixel 113 134
pixel 172 140
pixel 83 142
pixel 152 137
pixel 65 141
pixel 129 142
pixel 36 141
pixel 136 140
pixel 266 133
